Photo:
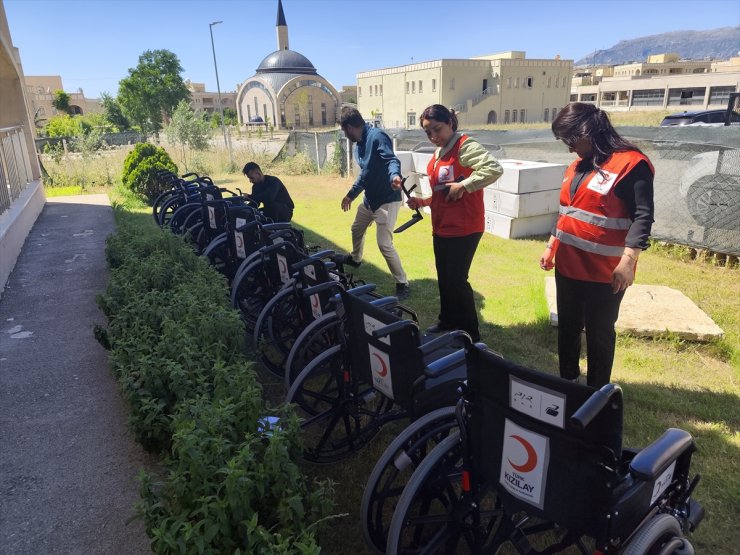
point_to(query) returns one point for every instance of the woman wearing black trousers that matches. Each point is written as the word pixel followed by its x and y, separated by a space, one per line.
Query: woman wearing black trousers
pixel 458 172
pixel 606 213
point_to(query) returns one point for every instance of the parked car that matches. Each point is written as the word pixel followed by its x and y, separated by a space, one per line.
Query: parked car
pixel 703 117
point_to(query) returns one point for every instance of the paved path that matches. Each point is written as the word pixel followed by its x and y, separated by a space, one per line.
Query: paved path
pixel 68 465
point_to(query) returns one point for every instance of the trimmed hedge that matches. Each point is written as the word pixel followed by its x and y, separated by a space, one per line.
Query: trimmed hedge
pixel 140 169
pixel 177 353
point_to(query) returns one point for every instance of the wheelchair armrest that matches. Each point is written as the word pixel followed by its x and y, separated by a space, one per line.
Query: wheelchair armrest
pixel 277 227
pixel 445 340
pixel 362 289
pixel 445 364
pixel 301 264
pixel 246 226
pixel 270 248
pixel 323 254
pixel 321 287
pixel 390 328
pixel 330 265
pixel 385 302
pixel 650 463
pixel 593 405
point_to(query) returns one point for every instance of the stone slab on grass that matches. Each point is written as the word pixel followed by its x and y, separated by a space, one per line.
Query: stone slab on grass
pixel 650 310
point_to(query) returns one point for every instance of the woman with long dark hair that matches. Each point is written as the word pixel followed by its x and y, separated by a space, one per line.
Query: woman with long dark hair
pixel 458 172
pixel 606 213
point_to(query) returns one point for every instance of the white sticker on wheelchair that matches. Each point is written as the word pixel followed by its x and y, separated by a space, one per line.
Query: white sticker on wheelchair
pixel 212 217
pixel 240 222
pixel 663 481
pixel 524 461
pixel 310 271
pixel 380 367
pixel 241 252
pixel 283 268
pixel 316 306
pixel 371 324
pixel 538 402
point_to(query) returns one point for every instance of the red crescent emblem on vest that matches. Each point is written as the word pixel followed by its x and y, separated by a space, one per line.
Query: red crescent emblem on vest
pixel 383 368
pixel 531 461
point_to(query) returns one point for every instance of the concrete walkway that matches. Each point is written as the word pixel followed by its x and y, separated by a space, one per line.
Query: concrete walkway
pixel 68 465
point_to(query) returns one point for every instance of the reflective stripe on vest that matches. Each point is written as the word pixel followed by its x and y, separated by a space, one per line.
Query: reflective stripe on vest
pixel 595 219
pixel 588 246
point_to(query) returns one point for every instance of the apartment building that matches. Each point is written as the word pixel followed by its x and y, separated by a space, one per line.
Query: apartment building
pixel 498 88
pixel 663 82
pixel 40 91
pixel 200 100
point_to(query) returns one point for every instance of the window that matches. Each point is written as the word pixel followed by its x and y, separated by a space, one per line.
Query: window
pixel 413 87
pixel 549 82
pixel 264 110
pixel 557 81
pixel 371 90
pixel 506 116
pixel 508 82
pixel 522 115
pixel 359 91
pixel 546 117
pixel 310 110
pixel 452 84
pixel 408 87
pixel 297 115
pixel 420 86
pixel 434 85
pixel 376 90
pixel 565 81
pixel 530 82
pixel 411 119
pixel 554 113
pixel 256 107
pixel 381 90
pixel 323 113
pixel 249 113
pixel 516 82
pixel 283 123
pixel 513 116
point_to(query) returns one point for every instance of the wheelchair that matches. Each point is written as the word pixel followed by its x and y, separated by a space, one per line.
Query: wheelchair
pixel 538 461
pixel 380 372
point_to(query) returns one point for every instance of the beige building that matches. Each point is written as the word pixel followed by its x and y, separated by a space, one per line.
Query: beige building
pixel 21 193
pixel 208 101
pixel 498 88
pixel 286 90
pixel 40 91
pixel 662 83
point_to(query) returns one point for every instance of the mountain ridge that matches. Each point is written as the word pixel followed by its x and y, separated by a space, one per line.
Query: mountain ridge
pixel 718 44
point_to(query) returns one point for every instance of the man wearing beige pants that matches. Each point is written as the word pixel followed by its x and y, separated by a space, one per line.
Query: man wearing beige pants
pixel 380 179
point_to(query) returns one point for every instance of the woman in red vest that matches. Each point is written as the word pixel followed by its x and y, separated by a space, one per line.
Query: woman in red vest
pixel 606 212
pixel 458 172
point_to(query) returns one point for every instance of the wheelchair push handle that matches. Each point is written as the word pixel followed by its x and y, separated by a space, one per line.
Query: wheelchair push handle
pixel 593 405
pixel 416 217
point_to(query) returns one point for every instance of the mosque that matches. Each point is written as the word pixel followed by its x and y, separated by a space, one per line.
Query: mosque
pixel 286 90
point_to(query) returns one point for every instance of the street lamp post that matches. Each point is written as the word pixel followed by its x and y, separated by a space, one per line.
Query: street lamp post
pixel 218 88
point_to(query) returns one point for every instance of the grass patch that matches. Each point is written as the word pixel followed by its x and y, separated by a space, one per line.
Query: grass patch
pixel 667 381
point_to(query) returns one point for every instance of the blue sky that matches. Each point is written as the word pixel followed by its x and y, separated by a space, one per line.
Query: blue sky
pixel 93 43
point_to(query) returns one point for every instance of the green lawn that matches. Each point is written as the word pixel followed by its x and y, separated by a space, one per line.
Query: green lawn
pixel 666 382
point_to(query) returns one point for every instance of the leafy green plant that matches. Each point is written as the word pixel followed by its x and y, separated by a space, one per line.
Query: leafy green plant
pixel 187 129
pixel 141 166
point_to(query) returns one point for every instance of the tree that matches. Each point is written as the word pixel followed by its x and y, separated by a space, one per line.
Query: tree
pixel 114 113
pixel 186 128
pixel 61 102
pixel 152 90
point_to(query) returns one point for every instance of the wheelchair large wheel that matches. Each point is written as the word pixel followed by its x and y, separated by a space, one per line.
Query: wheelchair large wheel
pixel 394 469
pixel 217 254
pixel 434 515
pixel 276 329
pixel 662 535
pixel 180 217
pixel 160 200
pixel 335 421
pixel 250 294
pixel 316 338
pixel 168 209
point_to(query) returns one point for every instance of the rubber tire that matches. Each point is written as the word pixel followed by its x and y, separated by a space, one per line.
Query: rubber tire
pixel 394 468
pixel 319 335
pixel 277 328
pixel 658 530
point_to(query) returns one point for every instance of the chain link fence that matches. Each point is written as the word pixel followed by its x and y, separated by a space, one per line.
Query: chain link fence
pixel 697 172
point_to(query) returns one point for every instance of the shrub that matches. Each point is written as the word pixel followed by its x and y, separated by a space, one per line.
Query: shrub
pixel 140 169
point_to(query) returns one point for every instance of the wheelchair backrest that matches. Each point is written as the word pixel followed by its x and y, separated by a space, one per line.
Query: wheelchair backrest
pixel 243 239
pixel 314 272
pixel 278 260
pixel 391 363
pixel 523 443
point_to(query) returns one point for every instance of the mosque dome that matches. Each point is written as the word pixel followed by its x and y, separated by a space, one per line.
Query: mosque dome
pixel 286 61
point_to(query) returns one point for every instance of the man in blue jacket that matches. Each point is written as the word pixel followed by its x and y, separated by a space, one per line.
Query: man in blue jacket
pixel 380 178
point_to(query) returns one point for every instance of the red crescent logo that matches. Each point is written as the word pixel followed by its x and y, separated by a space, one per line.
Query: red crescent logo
pixel 383 368
pixel 531 461
pixel 239 240
pixel 281 264
pixel 314 300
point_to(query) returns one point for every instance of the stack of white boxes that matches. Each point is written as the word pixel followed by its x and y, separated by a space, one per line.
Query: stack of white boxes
pixel 525 200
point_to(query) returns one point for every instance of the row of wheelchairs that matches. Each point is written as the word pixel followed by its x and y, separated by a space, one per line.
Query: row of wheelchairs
pixel 493 452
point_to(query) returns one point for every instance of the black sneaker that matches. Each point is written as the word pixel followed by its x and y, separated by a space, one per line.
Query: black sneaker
pixel 402 291
pixel 347 260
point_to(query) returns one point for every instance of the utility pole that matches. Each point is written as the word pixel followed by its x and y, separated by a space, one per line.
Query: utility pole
pixel 218 88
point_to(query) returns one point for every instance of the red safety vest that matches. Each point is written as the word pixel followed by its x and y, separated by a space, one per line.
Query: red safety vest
pixel 593 225
pixel 456 218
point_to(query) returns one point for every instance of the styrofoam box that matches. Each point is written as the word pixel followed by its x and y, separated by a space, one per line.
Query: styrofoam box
pixel 521 206
pixel 516 228
pixel 524 176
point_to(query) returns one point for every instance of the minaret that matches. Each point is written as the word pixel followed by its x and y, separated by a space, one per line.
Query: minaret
pixel 282 28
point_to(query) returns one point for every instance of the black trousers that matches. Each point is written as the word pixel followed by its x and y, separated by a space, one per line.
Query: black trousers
pixel 453 257
pixel 593 305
